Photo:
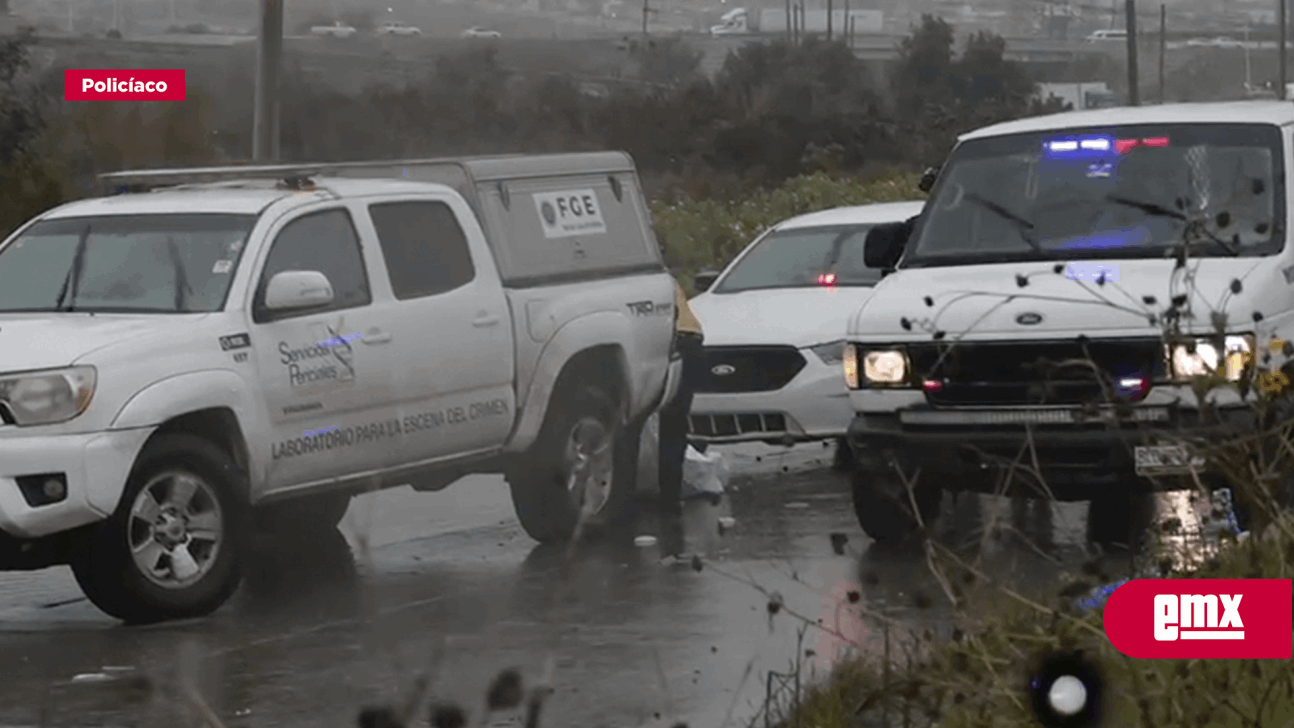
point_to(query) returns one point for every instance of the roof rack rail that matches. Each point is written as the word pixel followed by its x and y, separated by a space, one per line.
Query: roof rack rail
pixel 144 179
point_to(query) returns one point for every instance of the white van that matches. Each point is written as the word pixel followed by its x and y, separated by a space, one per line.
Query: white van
pixel 1054 243
pixel 1108 35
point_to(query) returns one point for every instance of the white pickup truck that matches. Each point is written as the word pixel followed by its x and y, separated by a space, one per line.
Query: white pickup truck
pixel 336 29
pixel 215 350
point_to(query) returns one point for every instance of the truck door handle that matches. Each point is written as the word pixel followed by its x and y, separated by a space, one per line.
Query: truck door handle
pixel 376 336
pixel 481 322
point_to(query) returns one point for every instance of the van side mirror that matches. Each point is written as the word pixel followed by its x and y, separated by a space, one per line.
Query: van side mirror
pixel 928 178
pixel 298 289
pixel 884 244
pixel 704 279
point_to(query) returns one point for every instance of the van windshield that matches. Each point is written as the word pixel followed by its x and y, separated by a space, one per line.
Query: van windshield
pixel 1128 192
pixel 155 263
pixel 828 255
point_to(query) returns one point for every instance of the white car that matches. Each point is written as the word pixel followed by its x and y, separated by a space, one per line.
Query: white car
pixel 774 322
pixel 479 32
pixel 398 28
pixel 333 30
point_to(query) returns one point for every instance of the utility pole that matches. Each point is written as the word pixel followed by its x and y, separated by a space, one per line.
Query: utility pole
pixel 790 24
pixel 646 12
pixel 1163 46
pixel 1284 30
pixel 829 13
pixel 848 32
pixel 1134 90
pixel 265 123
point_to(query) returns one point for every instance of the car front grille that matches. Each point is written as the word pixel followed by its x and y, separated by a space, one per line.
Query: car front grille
pixel 749 368
pixel 734 425
pixel 1033 373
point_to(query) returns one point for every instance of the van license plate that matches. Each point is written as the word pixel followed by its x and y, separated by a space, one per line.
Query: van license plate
pixel 1165 460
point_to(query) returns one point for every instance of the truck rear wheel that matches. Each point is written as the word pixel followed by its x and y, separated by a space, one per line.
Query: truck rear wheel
pixel 583 465
pixel 170 549
pixel 884 509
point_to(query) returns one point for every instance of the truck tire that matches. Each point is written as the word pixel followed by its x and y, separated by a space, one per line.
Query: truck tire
pixel 548 482
pixel 170 550
pixel 884 510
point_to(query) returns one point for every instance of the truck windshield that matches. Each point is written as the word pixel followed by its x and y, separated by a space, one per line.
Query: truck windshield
pixel 1127 192
pixel 157 263
pixel 801 258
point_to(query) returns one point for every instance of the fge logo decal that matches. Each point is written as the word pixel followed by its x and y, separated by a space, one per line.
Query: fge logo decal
pixel 1202 619
pixel 570 213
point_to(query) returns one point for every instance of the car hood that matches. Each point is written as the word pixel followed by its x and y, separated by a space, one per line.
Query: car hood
pixel 988 301
pixel 796 316
pixel 57 340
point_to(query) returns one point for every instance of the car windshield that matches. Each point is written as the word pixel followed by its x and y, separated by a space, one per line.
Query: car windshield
pixel 1128 192
pixel 157 263
pixel 803 257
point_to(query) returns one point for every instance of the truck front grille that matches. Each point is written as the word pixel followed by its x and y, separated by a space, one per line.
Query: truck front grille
pixel 1036 373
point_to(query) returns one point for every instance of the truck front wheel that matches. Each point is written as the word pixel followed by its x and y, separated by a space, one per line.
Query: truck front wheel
pixel 169 550
pixel 884 509
pixel 581 467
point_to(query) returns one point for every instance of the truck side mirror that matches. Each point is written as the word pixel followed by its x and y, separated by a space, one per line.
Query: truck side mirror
pixel 928 178
pixel 884 244
pixel 704 279
pixel 298 289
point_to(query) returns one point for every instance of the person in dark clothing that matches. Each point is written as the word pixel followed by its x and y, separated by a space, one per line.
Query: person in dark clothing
pixel 688 345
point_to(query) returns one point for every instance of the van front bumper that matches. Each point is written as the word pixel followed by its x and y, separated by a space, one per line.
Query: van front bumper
pixel 95 465
pixel 966 449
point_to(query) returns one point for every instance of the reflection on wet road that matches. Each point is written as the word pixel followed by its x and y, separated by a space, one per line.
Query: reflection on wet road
pixel 447 582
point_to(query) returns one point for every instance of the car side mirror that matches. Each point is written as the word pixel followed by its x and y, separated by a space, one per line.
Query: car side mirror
pixel 884 245
pixel 928 178
pixel 297 289
pixel 704 279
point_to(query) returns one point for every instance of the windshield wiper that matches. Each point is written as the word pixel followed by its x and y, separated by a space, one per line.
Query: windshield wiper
pixel 1196 226
pixel 1150 208
pixel 181 281
pixel 1022 225
pixel 73 279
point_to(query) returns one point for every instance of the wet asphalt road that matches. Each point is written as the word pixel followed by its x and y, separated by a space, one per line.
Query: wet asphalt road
pixel 447 582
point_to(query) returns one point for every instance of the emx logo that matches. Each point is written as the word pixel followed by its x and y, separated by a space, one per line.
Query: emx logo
pixel 1202 618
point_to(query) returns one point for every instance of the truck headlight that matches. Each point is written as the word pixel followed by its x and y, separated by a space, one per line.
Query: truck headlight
pixel 885 366
pixel 1201 358
pixel 47 397
pixel 830 353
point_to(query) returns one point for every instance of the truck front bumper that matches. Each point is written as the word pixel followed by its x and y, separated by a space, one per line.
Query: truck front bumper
pixel 967 449
pixel 94 466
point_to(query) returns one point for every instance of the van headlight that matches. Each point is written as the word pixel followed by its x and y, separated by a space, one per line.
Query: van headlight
pixel 47 397
pixel 885 367
pixel 1201 358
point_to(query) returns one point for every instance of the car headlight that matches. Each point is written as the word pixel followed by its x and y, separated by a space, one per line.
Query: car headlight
pixel 1201 358
pixel 885 366
pixel 830 353
pixel 47 397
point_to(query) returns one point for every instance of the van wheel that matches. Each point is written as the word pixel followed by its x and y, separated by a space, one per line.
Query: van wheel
pixel 884 509
pixel 582 465
pixel 169 551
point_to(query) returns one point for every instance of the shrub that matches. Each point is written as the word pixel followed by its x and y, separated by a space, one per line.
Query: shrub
pixel 701 233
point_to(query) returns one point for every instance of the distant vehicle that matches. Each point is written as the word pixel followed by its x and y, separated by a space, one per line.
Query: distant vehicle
pixel 733 22
pixel 1199 42
pixel 1107 35
pixel 1225 41
pixel 479 32
pixel 396 27
pixel 335 29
